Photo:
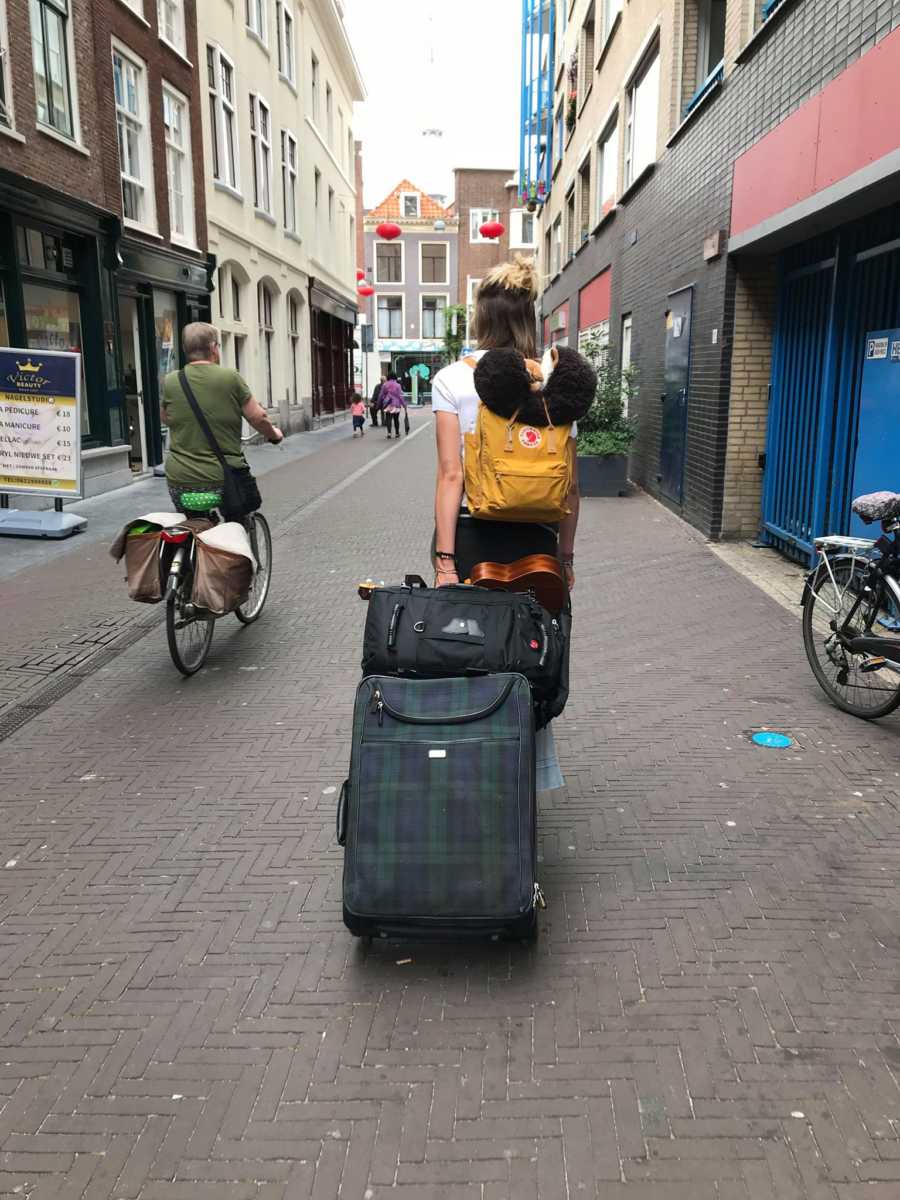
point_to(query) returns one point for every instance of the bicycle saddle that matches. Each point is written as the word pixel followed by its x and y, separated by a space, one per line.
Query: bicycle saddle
pixel 877 506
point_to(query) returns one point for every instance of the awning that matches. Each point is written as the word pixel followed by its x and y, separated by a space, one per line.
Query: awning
pixel 337 306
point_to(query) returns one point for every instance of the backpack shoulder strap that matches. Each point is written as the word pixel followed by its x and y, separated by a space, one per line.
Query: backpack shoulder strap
pixel 470 361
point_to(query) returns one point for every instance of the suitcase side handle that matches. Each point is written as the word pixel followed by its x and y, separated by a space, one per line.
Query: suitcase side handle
pixel 340 824
pixel 414 581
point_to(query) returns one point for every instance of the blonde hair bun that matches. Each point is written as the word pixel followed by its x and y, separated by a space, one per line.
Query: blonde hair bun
pixel 516 276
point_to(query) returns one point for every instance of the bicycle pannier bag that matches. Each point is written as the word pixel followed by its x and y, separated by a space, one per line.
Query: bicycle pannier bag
pixel 223 570
pixel 143 571
pixel 438 814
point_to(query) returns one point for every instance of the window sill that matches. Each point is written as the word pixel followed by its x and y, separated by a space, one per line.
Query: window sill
pixel 771 21
pixel 63 140
pixel 254 36
pixel 176 50
pixel 137 16
pixel 184 243
pixel 710 89
pixel 637 183
pixel 556 167
pixel 145 230
pixel 262 215
pixel 585 241
pixel 604 220
pixel 292 236
pixel 14 134
pixel 584 99
pixel 288 82
pixel 601 58
pixel 219 186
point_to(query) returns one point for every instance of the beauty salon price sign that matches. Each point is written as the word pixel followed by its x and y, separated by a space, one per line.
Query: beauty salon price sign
pixel 40 420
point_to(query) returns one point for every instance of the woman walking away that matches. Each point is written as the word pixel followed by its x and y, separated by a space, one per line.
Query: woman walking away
pixel 393 402
pixel 504 322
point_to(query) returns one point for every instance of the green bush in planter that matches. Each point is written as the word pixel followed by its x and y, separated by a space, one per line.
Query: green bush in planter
pixel 605 429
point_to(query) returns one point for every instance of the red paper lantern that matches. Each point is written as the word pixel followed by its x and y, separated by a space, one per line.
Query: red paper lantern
pixel 366 289
pixel 360 274
pixel 388 230
pixel 492 230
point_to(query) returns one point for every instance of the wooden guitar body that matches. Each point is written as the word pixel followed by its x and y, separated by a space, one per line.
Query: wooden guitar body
pixel 538 573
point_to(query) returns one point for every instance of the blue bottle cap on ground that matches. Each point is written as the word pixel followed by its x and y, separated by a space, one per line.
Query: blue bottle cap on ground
pixel 772 741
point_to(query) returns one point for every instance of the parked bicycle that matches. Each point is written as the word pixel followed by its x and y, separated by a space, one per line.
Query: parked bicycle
pixel 189 629
pixel 851 613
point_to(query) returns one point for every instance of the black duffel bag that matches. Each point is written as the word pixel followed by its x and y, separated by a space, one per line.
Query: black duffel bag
pixel 434 633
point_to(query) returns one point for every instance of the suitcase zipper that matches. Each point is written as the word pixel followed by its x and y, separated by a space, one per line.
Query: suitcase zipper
pixel 378 705
pixel 381 705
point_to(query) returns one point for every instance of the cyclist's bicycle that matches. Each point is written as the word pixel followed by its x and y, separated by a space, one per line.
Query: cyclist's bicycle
pixel 190 629
pixel 851 613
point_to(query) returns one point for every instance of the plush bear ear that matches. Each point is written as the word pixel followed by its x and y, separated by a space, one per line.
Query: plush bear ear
pixel 571 387
pixel 502 381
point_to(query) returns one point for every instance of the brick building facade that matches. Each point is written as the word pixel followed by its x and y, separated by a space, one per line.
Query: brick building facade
pixel 77 271
pixel 668 237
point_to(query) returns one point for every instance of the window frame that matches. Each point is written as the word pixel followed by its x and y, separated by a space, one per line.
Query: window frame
pixel 398 244
pixel 289 173
pixel 438 296
pixel 314 86
pixel 265 319
pixel 487 214
pixel 587 54
pixel 417 215
pixel 610 10
pixel 261 153
pixel 236 298
pixel 390 296
pixel 178 6
pixel 585 214
pixel 222 107
pixel 7 108
pixel 293 334
pixel 62 8
pixel 317 187
pixel 189 237
pixel 649 62
pixel 434 282
pixel 258 9
pixel 330 205
pixel 627 322
pixel 329 113
pixel 609 131
pixel 145 146
pixel 556 229
pixel 517 218
pixel 704 10
pixel 472 284
pixel 285 41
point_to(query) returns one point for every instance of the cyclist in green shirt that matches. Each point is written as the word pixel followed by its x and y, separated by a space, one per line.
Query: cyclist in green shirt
pixel 223 397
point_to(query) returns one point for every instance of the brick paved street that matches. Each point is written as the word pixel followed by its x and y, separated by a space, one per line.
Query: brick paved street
pixel 712 1009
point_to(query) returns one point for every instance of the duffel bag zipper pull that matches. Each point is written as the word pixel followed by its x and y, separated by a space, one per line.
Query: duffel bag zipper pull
pixel 378 705
pixel 539 901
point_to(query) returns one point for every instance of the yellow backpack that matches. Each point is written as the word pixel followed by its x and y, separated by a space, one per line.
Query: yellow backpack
pixel 517 472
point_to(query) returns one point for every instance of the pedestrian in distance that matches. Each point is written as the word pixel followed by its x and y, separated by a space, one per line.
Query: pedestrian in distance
pixel 358 414
pixel 375 403
pixel 393 403
pixel 224 398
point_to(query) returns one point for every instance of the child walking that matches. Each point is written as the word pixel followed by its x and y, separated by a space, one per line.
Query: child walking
pixel 358 413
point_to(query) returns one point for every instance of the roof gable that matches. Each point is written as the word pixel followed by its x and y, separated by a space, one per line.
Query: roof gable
pixel 389 208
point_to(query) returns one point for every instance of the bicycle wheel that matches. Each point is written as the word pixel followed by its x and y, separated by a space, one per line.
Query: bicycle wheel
pixel 261 541
pixel 189 633
pixel 842 675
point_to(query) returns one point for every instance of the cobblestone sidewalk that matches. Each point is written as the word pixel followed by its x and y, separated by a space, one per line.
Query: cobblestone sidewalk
pixel 711 1011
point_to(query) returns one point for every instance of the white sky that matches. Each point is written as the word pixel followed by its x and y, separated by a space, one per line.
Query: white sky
pixel 452 65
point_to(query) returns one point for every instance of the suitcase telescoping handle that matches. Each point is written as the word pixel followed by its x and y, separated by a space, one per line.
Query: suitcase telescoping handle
pixel 341 818
pixel 414 581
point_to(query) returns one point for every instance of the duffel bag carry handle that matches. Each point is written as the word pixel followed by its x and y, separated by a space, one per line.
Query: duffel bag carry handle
pixel 340 824
pixel 414 581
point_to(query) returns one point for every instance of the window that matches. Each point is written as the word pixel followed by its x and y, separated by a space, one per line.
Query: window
pixel 477 218
pixel 220 288
pixel 50 51
pixel 238 352
pixel 472 286
pixel 433 316
pixel 261 153
pixel 235 299
pixel 556 255
pixel 350 151
pixel 390 317
pixel 222 124
pixel 609 10
pixel 136 5
pixel 170 16
pixel 266 335
pixel 585 207
pixel 317 186
pixel 434 262
pixel 340 145
pixel 130 89
pixel 570 223
pixel 640 126
pixel 256 18
pixel 314 87
pixel 409 205
pixel 388 262
pixel 284 33
pixel 559 135
pixel 179 166
pixel 608 168
pixel 586 57
pixel 294 346
pixel 6 110
pixel 626 358
pixel 521 228
pixel 289 180
pixel 330 205
pixel 710 36
pixel 329 113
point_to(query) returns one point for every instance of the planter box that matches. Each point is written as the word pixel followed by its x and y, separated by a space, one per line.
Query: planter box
pixel 605 475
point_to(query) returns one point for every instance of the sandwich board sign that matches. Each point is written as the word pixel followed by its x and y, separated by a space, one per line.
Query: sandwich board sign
pixel 40 438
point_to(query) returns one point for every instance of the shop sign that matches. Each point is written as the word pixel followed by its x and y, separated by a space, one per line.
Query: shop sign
pixel 40 420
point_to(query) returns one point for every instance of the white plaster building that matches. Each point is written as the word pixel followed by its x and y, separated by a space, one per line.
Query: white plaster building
pixel 280 81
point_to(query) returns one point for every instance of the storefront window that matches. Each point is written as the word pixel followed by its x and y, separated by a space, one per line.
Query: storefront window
pixel 165 320
pixel 53 322
pixel 4 327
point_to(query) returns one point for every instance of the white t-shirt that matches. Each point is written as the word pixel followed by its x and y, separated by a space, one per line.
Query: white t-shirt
pixel 453 391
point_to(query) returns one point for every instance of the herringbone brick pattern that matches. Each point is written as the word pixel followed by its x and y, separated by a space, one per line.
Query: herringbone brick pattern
pixel 711 1011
